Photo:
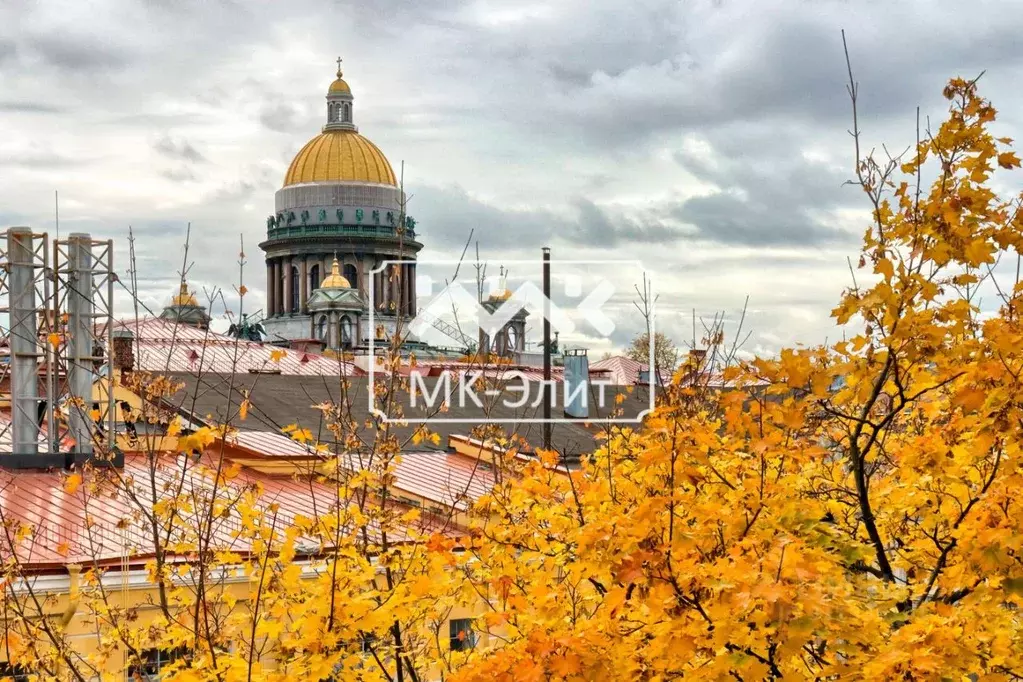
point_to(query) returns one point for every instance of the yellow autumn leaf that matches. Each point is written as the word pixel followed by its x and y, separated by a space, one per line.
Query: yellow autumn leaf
pixel 72 483
pixel 1008 160
pixel 885 268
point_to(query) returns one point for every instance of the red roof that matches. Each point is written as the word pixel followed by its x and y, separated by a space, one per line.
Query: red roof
pixel 622 371
pixel 445 478
pixel 62 534
pixel 165 346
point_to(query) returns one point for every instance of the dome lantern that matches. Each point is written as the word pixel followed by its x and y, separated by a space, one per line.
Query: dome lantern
pixel 339 104
pixel 335 280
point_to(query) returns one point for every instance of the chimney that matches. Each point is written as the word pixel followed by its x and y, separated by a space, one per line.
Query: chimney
pixel 123 355
pixel 577 375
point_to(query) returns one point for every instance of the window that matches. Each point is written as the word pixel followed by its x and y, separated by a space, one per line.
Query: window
pixel 153 662
pixel 463 638
pixel 347 332
pixel 321 329
pixel 352 275
pixel 295 293
pixel 314 278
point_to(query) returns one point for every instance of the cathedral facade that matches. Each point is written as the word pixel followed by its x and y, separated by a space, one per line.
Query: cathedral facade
pixel 339 216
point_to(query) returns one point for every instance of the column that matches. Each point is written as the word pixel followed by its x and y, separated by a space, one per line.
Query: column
pixel 376 290
pixel 333 333
pixel 286 267
pixel 325 269
pixel 277 286
pixel 280 286
pixel 303 282
pixel 406 293
pixel 360 267
pixel 269 288
pixel 411 286
pixel 395 288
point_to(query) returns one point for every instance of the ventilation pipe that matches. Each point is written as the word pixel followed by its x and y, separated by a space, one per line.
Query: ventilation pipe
pixel 24 343
pixel 80 351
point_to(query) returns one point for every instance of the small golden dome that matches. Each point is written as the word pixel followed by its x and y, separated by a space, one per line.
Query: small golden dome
pixel 184 297
pixel 340 156
pixel 339 87
pixel 501 293
pixel 335 280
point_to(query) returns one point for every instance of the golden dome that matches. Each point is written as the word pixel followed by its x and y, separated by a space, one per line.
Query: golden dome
pixel 339 87
pixel 184 297
pixel 340 156
pixel 335 280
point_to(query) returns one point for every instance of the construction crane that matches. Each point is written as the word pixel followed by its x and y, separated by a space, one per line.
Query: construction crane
pixel 449 330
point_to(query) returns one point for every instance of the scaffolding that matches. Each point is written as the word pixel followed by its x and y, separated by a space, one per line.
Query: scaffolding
pixel 58 303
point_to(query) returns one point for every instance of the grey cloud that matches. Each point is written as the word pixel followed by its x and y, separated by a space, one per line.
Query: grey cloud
pixel 179 149
pixel 40 158
pixel 615 78
pixel 183 174
pixel 252 179
pixel 556 119
pixel 76 54
pixel 28 107
pixel 766 192
pixel 281 116
pixel 8 50
pixel 728 218
pixel 447 215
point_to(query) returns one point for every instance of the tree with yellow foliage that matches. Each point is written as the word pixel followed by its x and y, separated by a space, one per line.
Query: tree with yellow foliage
pixel 842 512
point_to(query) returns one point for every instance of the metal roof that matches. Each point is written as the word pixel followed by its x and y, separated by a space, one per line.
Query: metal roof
pixel 164 346
pixel 95 525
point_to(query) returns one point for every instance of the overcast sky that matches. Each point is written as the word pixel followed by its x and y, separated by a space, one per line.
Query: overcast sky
pixel 706 139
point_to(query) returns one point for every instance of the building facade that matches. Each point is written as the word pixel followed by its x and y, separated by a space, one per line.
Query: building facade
pixel 340 200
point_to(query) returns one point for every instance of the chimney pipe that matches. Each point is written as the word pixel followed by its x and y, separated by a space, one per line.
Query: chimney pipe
pixel 80 356
pixel 24 344
pixel 123 353
pixel 546 348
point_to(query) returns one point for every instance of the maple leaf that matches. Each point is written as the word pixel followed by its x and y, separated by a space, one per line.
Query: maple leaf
pixel 1008 160
pixel 72 483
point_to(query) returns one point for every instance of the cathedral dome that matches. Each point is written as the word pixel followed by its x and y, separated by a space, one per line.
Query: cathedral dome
pixel 340 153
pixel 335 280
pixel 339 87
pixel 340 156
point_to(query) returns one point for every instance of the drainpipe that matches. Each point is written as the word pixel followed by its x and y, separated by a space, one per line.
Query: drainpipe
pixel 74 596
